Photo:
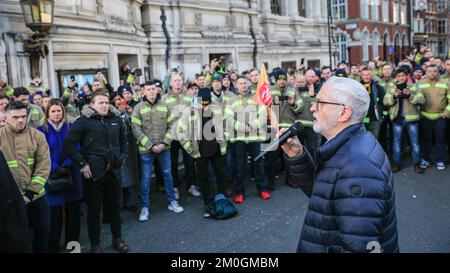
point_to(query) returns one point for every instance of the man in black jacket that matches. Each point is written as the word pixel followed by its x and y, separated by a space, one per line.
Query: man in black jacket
pixel 101 135
pixel 374 118
pixel 14 231
pixel 350 184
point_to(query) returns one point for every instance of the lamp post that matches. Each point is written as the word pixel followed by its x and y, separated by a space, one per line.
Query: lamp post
pixel 38 15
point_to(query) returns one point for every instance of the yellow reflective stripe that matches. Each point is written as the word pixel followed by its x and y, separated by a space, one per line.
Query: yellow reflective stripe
pixel 145 140
pixel 192 118
pixel 182 126
pixel 12 164
pixel 431 115
pixel 424 85
pixel 38 180
pixel 136 121
pixel 197 155
pixel 448 96
pixel 442 85
pixel 413 88
pixel 223 149
pixel 237 103
pixel 366 120
pixel 306 122
pixel 284 125
pixel 34 111
pixel 161 109
pixel 42 191
pixel 171 100
pixel 67 93
pixel 187 145
pixel 10 92
pixel 187 99
pixel 299 101
pixel 225 98
pixel 228 112
pixel 237 125
pixel 412 117
pixel 170 118
pixel 142 149
pixel 169 136
pixel 145 110
pixel 130 78
pixel 448 107
pixel 30 161
pixel 261 110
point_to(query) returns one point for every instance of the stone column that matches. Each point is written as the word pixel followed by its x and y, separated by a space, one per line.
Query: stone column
pixel 3 67
pixel 293 8
pixel 310 8
pixel 265 6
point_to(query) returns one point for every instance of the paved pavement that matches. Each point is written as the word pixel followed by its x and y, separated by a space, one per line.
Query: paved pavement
pixel 273 226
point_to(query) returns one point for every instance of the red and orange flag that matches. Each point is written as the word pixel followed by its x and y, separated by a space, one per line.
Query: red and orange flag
pixel 263 96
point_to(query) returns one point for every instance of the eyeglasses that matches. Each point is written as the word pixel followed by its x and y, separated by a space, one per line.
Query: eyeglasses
pixel 316 103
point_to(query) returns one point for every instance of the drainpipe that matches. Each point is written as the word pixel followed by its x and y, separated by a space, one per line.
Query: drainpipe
pixel 252 33
pixel 163 18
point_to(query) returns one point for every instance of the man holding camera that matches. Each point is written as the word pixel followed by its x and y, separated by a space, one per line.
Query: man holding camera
pixel 404 101
pixel 287 104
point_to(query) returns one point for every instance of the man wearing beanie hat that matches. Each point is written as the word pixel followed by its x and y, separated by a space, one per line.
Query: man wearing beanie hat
pixel 127 93
pixel 341 73
pixel 220 98
pixel 287 103
pixel 201 135
pixel 417 73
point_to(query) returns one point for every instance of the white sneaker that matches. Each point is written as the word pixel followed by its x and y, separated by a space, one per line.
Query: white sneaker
pixel 441 166
pixel 424 164
pixel 177 193
pixel 144 215
pixel 175 207
pixel 194 191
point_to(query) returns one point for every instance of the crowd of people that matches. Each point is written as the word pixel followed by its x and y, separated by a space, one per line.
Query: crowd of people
pixel 103 146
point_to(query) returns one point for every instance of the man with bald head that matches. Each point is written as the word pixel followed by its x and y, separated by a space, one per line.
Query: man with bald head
pixel 350 184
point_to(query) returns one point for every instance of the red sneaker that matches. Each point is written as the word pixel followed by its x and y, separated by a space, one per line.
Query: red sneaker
pixel 239 199
pixel 265 195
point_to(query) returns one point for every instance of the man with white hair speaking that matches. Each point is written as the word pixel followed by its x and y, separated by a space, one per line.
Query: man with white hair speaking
pixel 350 185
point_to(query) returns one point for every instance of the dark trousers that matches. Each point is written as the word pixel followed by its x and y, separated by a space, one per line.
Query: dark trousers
pixel 158 173
pixel 438 128
pixel 107 188
pixel 272 164
pixel 218 163
pixel 189 165
pixel 68 215
pixel 39 218
pixel 240 150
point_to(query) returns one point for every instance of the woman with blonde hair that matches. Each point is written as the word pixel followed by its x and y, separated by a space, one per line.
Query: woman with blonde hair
pixel 64 205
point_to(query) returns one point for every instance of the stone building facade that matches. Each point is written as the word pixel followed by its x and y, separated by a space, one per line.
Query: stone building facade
pixel 154 35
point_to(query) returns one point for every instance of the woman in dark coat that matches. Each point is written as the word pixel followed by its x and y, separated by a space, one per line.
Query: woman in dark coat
pixel 64 206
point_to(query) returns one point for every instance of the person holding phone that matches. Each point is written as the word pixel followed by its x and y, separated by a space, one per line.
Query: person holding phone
pixel 404 100
pixel 287 104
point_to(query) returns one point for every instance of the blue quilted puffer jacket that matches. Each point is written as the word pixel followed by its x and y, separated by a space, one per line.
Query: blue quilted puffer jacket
pixel 352 205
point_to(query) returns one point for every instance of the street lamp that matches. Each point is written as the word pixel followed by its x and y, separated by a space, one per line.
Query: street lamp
pixel 38 16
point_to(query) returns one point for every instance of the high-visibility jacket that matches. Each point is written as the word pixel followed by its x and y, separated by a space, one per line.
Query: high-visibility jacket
pixel 287 113
pixel 243 113
pixel 411 110
pixel 437 98
pixel 32 89
pixel 150 126
pixel 446 77
pixel 190 129
pixel 305 116
pixel 176 105
pixel 386 83
pixel 28 157
pixel 8 90
pixel 36 116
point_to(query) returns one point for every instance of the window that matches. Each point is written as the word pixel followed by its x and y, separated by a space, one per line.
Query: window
pixel 365 46
pixel 339 9
pixel 385 9
pixel 341 45
pixel 375 44
pixel 364 9
pixel 440 5
pixel 375 6
pixel 275 7
pixel 441 26
pixel 395 12
pixel 403 13
pixel 302 8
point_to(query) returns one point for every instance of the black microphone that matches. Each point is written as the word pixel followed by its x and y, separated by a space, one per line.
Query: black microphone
pixel 293 131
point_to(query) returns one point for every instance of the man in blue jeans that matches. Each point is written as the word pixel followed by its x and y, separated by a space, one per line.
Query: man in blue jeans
pixel 404 101
pixel 150 127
